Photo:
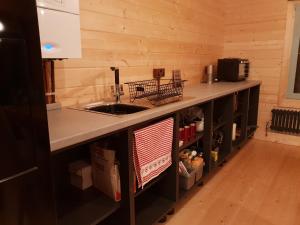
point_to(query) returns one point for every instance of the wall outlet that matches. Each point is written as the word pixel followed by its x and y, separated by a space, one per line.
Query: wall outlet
pixel 158 73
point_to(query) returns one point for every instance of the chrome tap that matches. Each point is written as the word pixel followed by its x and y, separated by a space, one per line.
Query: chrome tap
pixel 118 89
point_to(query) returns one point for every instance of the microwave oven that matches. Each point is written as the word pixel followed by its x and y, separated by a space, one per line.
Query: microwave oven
pixel 233 69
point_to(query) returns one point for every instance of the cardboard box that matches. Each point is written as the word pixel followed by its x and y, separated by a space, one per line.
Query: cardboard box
pixel 105 172
pixel 81 182
pixel 81 174
pixel 100 154
pixel 80 168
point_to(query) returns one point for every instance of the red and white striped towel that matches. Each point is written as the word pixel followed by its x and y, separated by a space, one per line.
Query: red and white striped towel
pixel 152 150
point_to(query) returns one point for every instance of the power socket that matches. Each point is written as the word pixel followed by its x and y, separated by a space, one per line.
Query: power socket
pixel 158 73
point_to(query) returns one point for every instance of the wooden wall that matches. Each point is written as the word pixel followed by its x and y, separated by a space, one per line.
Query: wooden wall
pixel 137 36
pixel 255 29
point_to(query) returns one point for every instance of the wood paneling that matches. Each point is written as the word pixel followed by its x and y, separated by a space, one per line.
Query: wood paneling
pixel 138 36
pixel 255 29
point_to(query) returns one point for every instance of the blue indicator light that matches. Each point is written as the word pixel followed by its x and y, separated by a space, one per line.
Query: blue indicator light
pixel 48 47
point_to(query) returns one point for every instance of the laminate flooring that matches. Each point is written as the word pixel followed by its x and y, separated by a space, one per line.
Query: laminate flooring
pixel 260 185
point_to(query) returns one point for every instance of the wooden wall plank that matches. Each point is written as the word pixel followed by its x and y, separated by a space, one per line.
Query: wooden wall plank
pixel 138 36
pixel 255 29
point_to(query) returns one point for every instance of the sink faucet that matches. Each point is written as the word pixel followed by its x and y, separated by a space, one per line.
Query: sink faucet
pixel 118 89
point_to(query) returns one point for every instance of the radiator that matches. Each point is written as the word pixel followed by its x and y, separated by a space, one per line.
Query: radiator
pixel 285 121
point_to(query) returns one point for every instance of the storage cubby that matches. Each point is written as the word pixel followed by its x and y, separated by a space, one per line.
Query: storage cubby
pixel 84 207
pixel 140 191
pixel 167 174
pixel 240 117
pixel 197 115
pixel 219 149
pixel 196 174
pixel 193 119
pixel 237 134
pixel 153 204
pixel 222 111
pixel 253 110
pixel 222 130
pixel 153 201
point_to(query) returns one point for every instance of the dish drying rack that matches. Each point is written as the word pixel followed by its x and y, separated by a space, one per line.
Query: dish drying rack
pixel 157 91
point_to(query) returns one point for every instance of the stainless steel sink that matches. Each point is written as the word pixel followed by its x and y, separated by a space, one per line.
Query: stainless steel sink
pixel 114 108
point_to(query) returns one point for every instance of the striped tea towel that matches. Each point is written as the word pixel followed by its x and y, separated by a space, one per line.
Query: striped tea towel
pixel 152 150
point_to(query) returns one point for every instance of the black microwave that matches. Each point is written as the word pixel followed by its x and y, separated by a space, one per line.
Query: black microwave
pixel 233 69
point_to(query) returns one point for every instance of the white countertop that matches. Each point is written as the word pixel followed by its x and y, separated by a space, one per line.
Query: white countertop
pixel 68 127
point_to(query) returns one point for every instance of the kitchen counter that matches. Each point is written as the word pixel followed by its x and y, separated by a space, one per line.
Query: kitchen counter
pixel 68 127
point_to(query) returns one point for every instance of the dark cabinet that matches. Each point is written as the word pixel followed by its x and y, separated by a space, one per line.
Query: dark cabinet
pixel 15 115
pixel 23 202
pixel 25 185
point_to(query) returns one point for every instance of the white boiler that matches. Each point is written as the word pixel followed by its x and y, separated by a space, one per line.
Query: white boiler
pixel 59 25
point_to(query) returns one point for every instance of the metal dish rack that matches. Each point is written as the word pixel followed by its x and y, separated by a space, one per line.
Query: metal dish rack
pixel 157 91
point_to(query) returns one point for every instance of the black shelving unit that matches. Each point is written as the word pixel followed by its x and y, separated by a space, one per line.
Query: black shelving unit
pixel 159 197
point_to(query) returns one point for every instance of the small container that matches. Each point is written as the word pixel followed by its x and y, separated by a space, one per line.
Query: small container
pixel 209 72
pixel 181 143
pixel 234 131
pixel 187 183
pixel 187 133
pixel 200 125
pixel 193 130
pixel 199 169
pixel 214 155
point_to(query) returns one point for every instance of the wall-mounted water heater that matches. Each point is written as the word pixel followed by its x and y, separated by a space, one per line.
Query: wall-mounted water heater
pixel 59 25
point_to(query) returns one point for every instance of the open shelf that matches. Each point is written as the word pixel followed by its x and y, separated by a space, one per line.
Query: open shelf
pixel 198 136
pixel 151 207
pixel 220 125
pixel 151 183
pixel 87 207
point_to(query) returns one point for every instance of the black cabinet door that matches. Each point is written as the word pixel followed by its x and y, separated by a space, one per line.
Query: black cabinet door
pixel 16 134
pixel 26 195
pixel 22 201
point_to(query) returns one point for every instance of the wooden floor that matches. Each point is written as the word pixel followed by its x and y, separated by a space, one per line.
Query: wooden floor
pixel 259 186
